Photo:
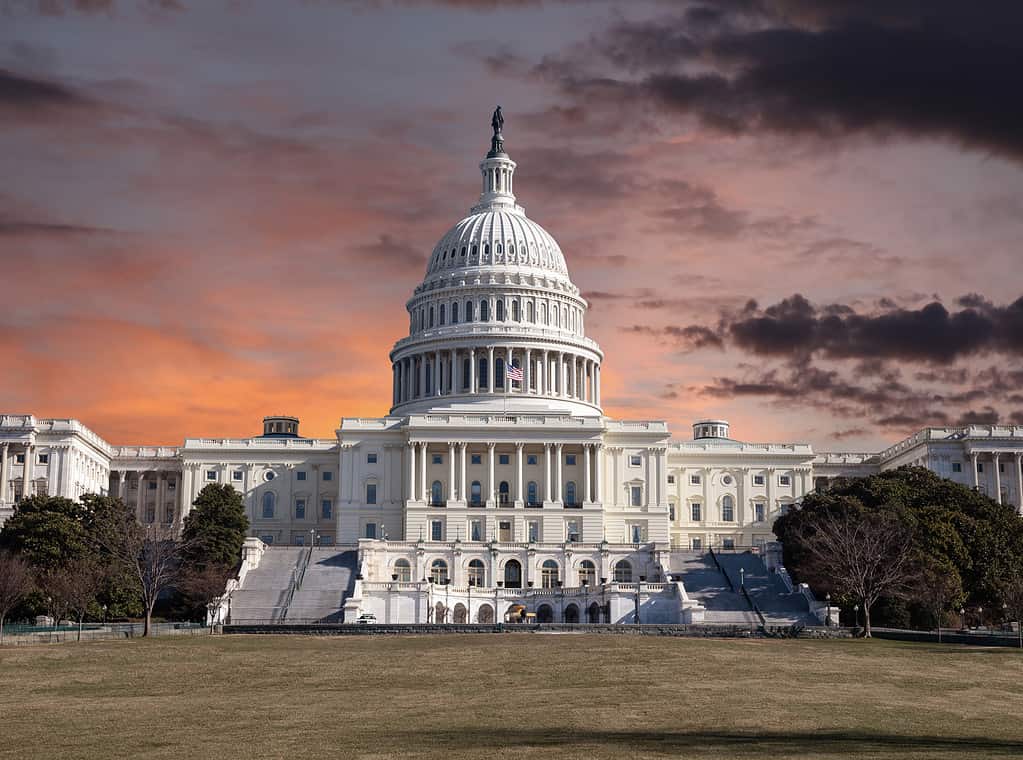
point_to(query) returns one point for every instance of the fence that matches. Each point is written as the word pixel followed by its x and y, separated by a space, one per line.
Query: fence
pixel 28 635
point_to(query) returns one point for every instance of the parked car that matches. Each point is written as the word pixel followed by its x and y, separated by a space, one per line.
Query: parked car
pixel 366 618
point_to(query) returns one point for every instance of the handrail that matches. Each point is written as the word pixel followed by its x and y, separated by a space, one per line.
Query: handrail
pixel 297 573
pixel 753 605
pixel 721 570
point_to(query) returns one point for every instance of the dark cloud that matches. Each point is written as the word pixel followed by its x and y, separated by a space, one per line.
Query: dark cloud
pixel 25 94
pixel 941 69
pixel 389 252
pixel 25 228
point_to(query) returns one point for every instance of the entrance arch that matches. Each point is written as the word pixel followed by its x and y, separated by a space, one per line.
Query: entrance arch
pixel 571 614
pixel 593 613
pixel 485 614
pixel 513 574
pixel 544 614
pixel 461 614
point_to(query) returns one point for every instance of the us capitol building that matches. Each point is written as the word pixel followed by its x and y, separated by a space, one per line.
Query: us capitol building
pixel 495 479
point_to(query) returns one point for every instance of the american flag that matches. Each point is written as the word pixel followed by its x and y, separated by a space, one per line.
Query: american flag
pixel 515 373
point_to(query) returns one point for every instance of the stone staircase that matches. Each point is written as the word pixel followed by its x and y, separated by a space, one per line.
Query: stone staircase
pixel 327 582
pixel 778 605
pixel 264 593
pixel 705 583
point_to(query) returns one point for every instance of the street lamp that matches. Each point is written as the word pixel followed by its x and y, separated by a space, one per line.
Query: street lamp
pixel 104 614
pixel 827 601
pixel 742 577
pixel 856 614
pixel 586 601
pixel 603 604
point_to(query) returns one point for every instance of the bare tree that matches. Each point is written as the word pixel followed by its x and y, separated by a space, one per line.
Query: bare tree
pixel 865 555
pixel 15 582
pixel 201 586
pixel 150 554
pixel 75 587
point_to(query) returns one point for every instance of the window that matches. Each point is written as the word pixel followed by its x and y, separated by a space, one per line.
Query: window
pixel 503 496
pixel 19 459
pixel 635 460
pixel 477 573
pixel 531 459
pixel 503 459
pixel 371 458
pixel 268 505
pixel 531 495
pixel 442 313
pixel 300 475
pixel 44 459
pixel 572 531
pixel 587 573
pixel 439 571
pixel 328 475
pixel 236 475
pixel 484 311
pixel 696 544
pixel 727 480
pixel 549 574
pixel 431 316
pixel 694 480
pixel 172 485
pixel 637 533
pixel 957 467
pixel 533 531
pixel 326 509
pixel 623 571
pixel 758 480
pixel 515 311
pixel 475 494
pixel 371 493
pixel 269 475
pixel 636 493
pixel 980 467
pixel 1001 467
pixel 728 543
pixel 696 510
pixel 403 571
pixel 436 494
pixel 454 313
pixel 475 530
pixel 151 485
pixel 299 509
pixel 168 515
pixel 436 530
pixel 499 311
pixel 671 480
pixel 671 512
pixel 468 311
pixel 476 459
pixel 727 509
pixel 371 530
pixel 150 514
pixel 211 474
pixel 570 492
pixel 570 459
pixel 758 512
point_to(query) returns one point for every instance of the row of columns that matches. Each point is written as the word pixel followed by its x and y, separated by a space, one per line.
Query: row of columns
pixel 418 488
pixel 163 481
pixel 6 453
pixel 545 373
pixel 996 458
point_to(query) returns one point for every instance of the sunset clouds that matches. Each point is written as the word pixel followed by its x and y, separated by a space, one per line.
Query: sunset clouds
pixel 805 220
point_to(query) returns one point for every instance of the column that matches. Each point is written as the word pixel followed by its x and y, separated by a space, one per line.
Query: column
pixel 3 471
pixel 139 501
pixel 596 385
pixel 394 384
pixel 422 376
pixel 598 457
pixel 26 472
pixel 527 369
pixel 616 482
pixel 998 478
pixel 547 470
pixel 490 471
pixel 976 480
pixel 557 473
pixel 518 470
pixel 437 386
pixel 452 388
pixel 411 471
pixel 490 369
pixel 578 365
pixel 770 491
pixel 472 370
pixel 559 362
pixel 509 386
pixel 462 493
pixel 452 495
pixel 648 491
pixel 422 470
pixel 659 472
pixel 586 473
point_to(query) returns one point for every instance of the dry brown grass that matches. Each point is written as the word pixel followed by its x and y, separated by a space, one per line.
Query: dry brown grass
pixel 522 695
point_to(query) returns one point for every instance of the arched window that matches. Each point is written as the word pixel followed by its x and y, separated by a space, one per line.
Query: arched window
pixel 499 249
pixel 454 313
pixel 431 316
pixel 436 494
pixel 486 249
pixel 475 494
pixel 502 492
pixel 484 311
pixel 529 311
pixel 671 511
pixel 443 308
pixel 549 574
pixel 477 573
pixel 499 311
pixel 587 573
pixel 463 250
pixel 483 382
pixel 531 495
pixel 543 312
pixel 572 614
pixel 727 509
pixel 475 250
pixel 403 570
pixel 556 316
pixel 515 311
pixel 623 572
pixel 439 571
pixel 268 505
pixel 499 372
pixel 544 614
pixel 570 492
pixel 461 613
pixel 513 574
pixel 466 369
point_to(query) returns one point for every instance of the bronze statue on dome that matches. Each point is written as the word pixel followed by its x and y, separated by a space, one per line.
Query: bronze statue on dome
pixel 497 121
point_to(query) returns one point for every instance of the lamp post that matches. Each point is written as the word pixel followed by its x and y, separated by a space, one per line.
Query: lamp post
pixel 742 577
pixel 642 580
pixel 827 618
pixel 496 589
pixel 104 614
pixel 962 617
pixel 390 597
pixel 430 616
pixel 312 538
pixel 468 614
pixel 856 615
pixel 447 598
pixel 603 605
pixel 586 601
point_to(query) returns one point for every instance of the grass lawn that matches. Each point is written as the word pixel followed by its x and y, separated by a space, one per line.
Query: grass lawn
pixel 521 695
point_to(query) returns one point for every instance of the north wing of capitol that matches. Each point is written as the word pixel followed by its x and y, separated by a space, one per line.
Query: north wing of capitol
pixel 495 485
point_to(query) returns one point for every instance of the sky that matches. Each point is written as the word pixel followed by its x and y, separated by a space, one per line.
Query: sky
pixel 802 216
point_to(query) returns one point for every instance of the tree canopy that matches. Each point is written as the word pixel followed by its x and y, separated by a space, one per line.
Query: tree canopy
pixel 216 527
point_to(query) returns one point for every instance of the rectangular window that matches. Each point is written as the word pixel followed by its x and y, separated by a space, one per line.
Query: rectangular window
pixel 300 475
pixel 503 459
pixel 694 480
pixel 172 485
pixel 637 533
pixel 476 458
pixel 727 510
pixel 530 458
pixel 299 509
pixel 671 512
pixel 326 509
pixel 371 530
pixel 44 459
pixel 371 493
pixel 371 458
pixel 211 474
pixel 696 543
pixel 758 510
pixel 635 460
pixel 533 531
pixel 436 530
pixel 438 459
pixel 572 531
pixel 475 530
pixel 697 511
pixel 328 476
pixel 236 475
pixel 671 480
pixel 151 485
pixel 758 480
pixel 957 467
pixel 728 543
pixel 267 539
pixel 980 467
pixel 784 480
pixel 150 514
pixel 326 539
pixel 570 459
pixel 1001 467
pixel 637 496
pixel 298 539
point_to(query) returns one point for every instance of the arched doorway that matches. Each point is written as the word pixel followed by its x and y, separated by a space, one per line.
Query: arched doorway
pixel 461 614
pixel 485 614
pixel 571 614
pixel 593 613
pixel 513 574
pixel 544 614
pixel 440 613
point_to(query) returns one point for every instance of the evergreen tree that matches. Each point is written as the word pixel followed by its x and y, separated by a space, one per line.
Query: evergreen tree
pixel 47 531
pixel 215 529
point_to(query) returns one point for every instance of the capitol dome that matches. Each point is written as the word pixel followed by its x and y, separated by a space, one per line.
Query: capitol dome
pixel 496 323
